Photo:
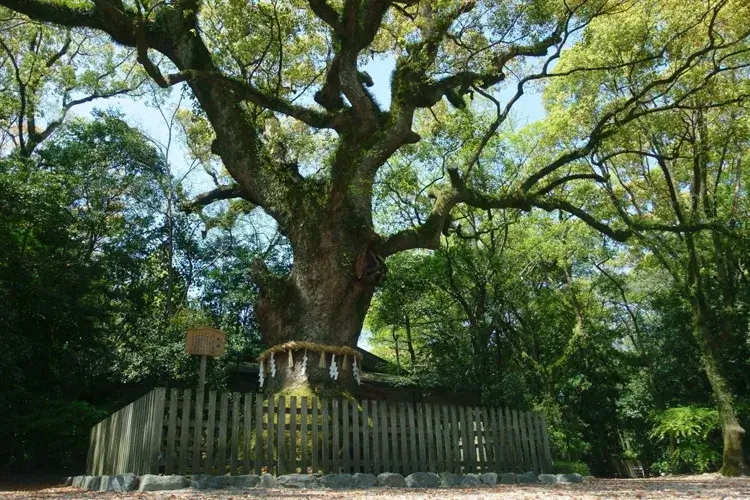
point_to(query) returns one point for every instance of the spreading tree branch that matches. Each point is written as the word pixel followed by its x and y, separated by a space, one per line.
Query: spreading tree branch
pixel 634 106
pixel 428 234
pixel 376 134
pixel 325 13
pixel 203 200
pixel 57 13
pixel 246 91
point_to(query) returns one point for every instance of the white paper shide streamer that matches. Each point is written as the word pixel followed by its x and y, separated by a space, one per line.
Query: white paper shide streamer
pixel 304 362
pixel 355 371
pixel 334 370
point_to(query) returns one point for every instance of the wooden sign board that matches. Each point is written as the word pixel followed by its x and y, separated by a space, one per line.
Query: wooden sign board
pixel 205 341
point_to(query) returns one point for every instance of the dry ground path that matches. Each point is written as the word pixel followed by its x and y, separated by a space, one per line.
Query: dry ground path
pixel 692 487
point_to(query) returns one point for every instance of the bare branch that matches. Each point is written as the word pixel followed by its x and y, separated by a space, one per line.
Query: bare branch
pixel 426 235
pixel 489 133
pixel 246 91
pixel 37 138
pixel 60 53
pixel 207 198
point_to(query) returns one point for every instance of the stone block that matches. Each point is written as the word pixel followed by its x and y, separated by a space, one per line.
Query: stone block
pixel 569 478
pixel 268 481
pixel 91 483
pixel 488 478
pixel 246 481
pixel 364 480
pixel 526 478
pixel 337 481
pixel 423 480
pixel 104 483
pixel 508 478
pixel 152 482
pixel 201 481
pixel 471 480
pixel 391 480
pixel 122 483
pixel 299 481
pixel 450 480
pixel 548 478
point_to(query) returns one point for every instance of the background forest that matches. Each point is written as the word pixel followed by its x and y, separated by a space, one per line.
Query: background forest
pixel 104 262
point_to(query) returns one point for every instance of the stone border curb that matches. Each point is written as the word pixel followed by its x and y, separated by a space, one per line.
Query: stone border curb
pixel 152 482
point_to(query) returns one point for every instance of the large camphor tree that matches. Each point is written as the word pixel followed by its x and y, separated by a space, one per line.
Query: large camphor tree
pixel 291 117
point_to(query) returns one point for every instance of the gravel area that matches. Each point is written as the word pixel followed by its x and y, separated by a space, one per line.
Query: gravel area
pixel 694 487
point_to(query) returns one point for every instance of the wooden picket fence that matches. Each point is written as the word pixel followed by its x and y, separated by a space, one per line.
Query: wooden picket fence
pixel 128 440
pixel 174 432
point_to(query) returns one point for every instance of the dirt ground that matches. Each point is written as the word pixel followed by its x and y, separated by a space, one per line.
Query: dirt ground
pixel 693 487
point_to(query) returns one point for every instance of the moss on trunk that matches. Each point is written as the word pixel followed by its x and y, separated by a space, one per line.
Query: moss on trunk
pixel 313 381
pixel 324 299
pixel 733 461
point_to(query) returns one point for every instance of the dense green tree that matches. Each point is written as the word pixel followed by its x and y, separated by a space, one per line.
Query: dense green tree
pixel 644 141
pixel 676 170
pixel 60 213
pixel 510 307
pixel 684 168
pixel 700 183
pixel 46 71
pixel 85 299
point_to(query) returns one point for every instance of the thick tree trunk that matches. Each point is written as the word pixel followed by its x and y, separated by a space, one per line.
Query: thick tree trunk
pixel 733 456
pixel 733 433
pixel 323 300
pixel 733 459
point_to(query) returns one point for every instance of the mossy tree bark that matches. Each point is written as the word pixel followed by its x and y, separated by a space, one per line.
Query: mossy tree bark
pixel 733 459
pixel 324 299
pixel 711 263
